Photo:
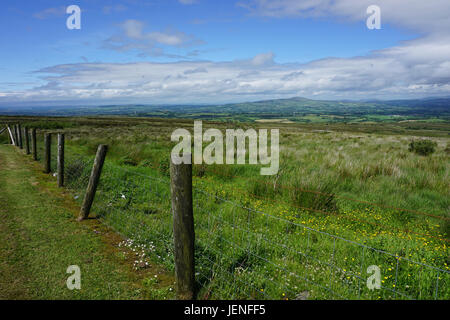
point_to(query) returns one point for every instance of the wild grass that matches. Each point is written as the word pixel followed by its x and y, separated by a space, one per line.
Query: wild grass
pixel 40 239
pixel 4 138
pixel 282 236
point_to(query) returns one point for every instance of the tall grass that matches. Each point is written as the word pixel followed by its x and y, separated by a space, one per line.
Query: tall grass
pixel 242 253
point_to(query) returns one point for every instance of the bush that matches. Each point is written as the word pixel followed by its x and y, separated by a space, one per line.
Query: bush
pixel 422 147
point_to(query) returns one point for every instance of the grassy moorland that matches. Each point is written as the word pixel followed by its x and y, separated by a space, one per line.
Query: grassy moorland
pixel 297 234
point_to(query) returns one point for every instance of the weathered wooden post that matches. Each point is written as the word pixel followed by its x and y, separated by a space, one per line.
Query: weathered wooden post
pixel 93 182
pixel 60 160
pixel 27 140
pixel 183 229
pixel 20 136
pixel 16 136
pixel 47 152
pixel 33 143
pixel 11 135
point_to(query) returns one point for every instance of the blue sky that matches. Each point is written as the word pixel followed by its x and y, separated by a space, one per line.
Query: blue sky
pixel 210 51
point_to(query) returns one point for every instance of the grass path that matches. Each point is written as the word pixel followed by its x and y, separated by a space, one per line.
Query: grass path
pixel 39 239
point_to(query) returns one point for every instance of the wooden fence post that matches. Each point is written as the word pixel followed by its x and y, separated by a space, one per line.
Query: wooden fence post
pixel 20 136
pixel 11 135
pixel 27 140
pixel 183 229
pixel 47 152
pixel 16 136
pixel 33 143
pixel 61 160
pixel 93 182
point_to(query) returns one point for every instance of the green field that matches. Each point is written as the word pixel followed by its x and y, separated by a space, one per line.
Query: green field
pixel 348 195
pixel 297 109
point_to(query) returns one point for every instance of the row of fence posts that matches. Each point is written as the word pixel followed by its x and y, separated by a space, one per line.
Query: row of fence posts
pixel 181 200
pixel 96 169
pixel 16 138
pixel 19 136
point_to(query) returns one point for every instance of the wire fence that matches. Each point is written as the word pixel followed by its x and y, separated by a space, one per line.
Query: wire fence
pixel 330 207
pixel 319 264
pixel 269 190
pixel 242 252
pixel 363 220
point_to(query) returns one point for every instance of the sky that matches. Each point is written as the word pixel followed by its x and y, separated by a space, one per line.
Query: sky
pixel 220 51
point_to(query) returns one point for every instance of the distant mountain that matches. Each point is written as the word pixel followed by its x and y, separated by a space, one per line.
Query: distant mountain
pixel 284 108
pixel 432 106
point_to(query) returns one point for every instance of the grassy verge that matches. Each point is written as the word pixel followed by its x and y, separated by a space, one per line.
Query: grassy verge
pixel 39 239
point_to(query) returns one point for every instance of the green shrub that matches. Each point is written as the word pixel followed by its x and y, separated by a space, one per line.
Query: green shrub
pixel 422 147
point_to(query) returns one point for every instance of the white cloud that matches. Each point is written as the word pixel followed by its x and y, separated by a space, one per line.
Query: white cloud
pixel 133 37
pixel 114 8
pixel 263 59
pixel 196 70
pixel 176 38
pixel 50 13
pixel 133 28
pixel 422 16
pixel 414 68
pixel 417 68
